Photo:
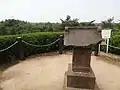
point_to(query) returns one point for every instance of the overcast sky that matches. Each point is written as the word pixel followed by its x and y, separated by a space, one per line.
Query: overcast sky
pixel 53 10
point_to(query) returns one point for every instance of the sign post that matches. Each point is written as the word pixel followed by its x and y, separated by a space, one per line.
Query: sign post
pixel 99 48
pixel 107 45
pixel 106 34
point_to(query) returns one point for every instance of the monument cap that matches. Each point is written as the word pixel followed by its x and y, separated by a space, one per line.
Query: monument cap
pixel 82 36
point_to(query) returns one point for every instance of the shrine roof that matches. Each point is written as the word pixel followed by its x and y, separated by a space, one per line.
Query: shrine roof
pixel 82 36
pixel 76 27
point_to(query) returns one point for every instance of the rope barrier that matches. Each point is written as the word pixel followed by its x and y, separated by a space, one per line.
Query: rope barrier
pixel 40 45
pixel 113 47
pixel 9 47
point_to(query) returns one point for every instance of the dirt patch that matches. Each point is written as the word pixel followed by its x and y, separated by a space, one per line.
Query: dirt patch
pixel 0 79
pixel 47 73
pixel 110 58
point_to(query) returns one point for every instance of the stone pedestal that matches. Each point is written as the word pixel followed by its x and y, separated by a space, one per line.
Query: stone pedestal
pixel 80 75
pixel 79 80
pixel 81 59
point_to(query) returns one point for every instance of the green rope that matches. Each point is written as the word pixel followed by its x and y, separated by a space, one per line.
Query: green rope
pixel 41 45
pixel 114 47
pixel 9 47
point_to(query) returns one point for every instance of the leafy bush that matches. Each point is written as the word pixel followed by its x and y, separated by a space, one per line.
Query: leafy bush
pixel 41 38
pixel 115 41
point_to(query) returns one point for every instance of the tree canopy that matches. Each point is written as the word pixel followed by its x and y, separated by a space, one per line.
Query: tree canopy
pixel 12 26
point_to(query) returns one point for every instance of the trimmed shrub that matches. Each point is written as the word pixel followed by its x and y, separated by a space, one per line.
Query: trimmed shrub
pixel 41 38
pixel 115 41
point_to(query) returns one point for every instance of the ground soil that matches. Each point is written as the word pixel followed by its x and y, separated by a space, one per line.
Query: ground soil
pixel 47 73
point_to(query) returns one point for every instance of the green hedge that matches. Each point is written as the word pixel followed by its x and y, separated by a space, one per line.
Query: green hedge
pixel 41 38
pixel 115 41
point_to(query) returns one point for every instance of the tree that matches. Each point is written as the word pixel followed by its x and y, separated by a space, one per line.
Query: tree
pixel 86 24
pixel 12 27
pixel 69 22
pixel 2 29
pixel 108 24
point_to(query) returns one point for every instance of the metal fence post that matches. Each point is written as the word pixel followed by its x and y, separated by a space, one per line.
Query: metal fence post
pixel 61 44
pixel 20 48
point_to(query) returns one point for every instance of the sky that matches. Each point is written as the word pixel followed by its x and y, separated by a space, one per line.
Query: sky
pixel 53 10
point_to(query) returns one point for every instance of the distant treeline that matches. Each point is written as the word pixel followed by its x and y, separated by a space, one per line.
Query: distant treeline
pixel 13 27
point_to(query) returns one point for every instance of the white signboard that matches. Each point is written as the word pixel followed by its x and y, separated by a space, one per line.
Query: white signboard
pixel 106 33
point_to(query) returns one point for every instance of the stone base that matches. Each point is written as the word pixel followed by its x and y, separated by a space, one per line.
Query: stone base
pixel 70 88
pixel 81 69
pixel 79 80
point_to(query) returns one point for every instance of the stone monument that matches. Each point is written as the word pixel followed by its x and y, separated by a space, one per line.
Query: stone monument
pixel 80 75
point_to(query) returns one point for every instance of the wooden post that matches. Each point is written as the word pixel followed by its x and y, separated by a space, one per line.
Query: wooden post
pixel 20 49
pixel 61 45
pixel 96 49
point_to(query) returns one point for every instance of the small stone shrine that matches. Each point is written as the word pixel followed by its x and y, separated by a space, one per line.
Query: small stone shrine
pixel 80 75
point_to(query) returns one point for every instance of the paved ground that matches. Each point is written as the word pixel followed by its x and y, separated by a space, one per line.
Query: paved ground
pixel 47 73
